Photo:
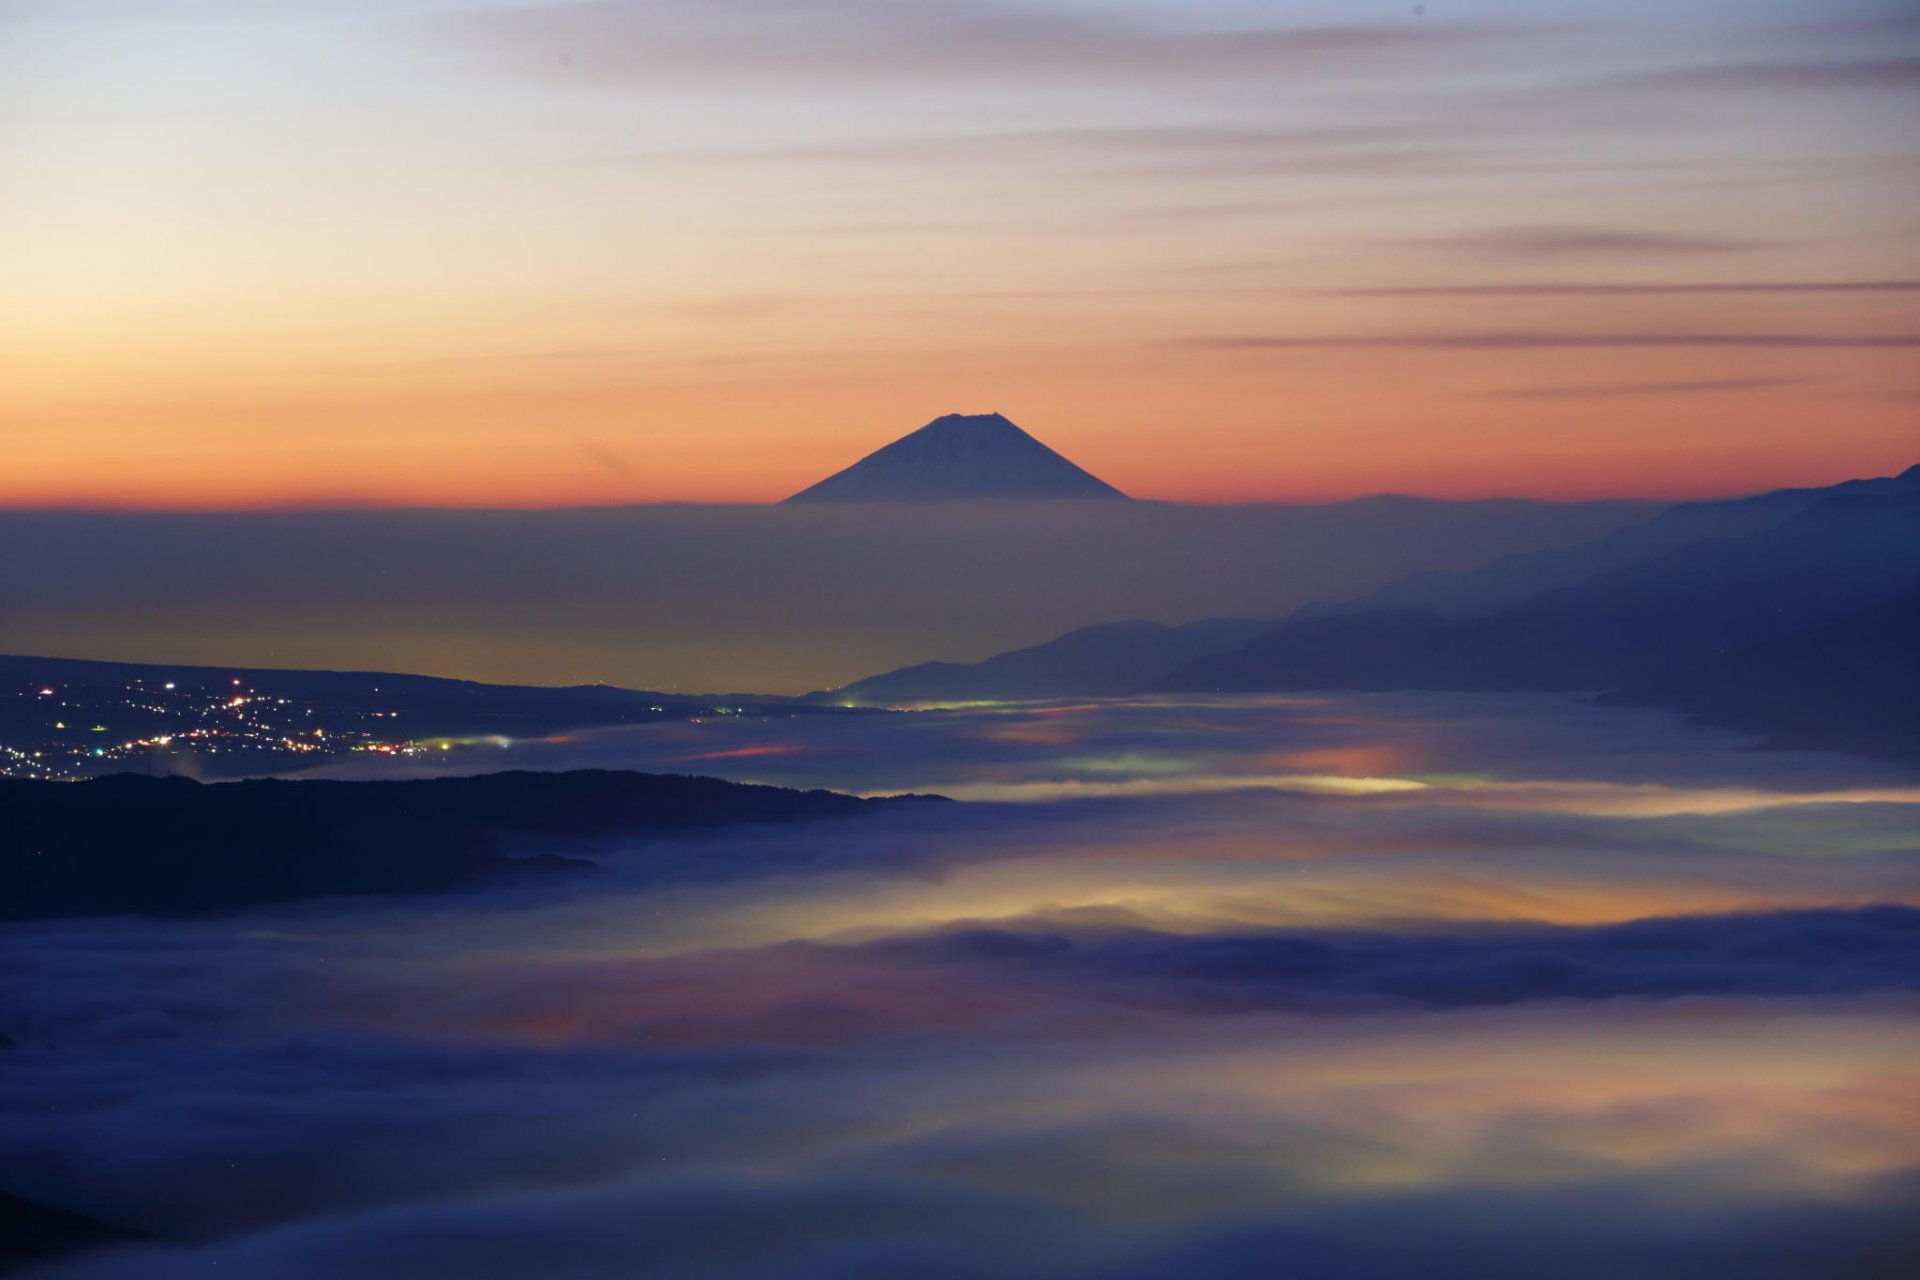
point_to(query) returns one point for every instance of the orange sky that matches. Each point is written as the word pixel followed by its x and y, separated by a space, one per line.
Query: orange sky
pixel 399 252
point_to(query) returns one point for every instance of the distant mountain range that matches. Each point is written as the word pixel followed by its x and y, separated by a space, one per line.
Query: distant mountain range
pixel 1677 608
pixel 1511 579
pixel 960 455
pixel 1684 610
pixel 1107 658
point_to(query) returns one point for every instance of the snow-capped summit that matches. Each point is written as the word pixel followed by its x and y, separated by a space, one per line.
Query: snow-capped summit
pixel 960 455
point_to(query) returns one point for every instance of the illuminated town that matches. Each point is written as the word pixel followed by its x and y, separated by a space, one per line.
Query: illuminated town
pixel 156 727
pixel 62 719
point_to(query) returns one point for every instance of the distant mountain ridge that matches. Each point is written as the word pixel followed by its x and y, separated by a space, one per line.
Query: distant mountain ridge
pixel 1685 610
pixel 1598 632
pixel 1510 579
pixel 960 456
pixel 1852 684
pixel 1105 658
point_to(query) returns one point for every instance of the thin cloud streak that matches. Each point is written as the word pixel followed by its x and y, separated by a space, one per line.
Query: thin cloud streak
pixel 1221 148
pixel 1901 73
pixel 1515 341
pixel 1580 241
pixel 607 42
pixel 1576 288
pixel 1610 390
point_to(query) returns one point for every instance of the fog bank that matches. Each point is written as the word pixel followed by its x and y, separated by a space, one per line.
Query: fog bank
pixel 768 599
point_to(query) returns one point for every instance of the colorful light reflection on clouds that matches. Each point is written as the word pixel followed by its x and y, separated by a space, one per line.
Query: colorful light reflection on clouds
pixel 1144 1035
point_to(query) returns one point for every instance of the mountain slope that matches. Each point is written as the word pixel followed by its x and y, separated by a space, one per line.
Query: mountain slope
pixel 1119 658
pixel 959 456
pixel 1090 661
pixel 1851 684
pixel 1618 627
pixel 1508 580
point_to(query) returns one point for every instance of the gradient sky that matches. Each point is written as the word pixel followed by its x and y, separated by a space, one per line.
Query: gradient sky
pixel 294 252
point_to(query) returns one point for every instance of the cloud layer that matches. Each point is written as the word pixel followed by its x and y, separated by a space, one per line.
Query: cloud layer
pixel 1588 976
pixel 640 42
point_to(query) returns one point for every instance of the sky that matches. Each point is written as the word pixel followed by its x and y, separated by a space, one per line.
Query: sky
pixel 287 253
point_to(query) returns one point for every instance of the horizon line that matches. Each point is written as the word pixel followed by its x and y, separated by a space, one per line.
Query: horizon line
pixel 353 507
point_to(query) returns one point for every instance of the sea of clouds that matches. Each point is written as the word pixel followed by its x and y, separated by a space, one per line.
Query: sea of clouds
pixel 1527 985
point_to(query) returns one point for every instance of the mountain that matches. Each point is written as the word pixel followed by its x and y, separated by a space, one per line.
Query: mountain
pixel 1629 624
pixel 959 456
pixel 1103 659
pixel 1510 579
pixel 1851 684
pixel 1424 630
pixel 173 847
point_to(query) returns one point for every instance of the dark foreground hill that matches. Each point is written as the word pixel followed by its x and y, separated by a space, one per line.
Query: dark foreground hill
pixel 169 846
pixel 31 1232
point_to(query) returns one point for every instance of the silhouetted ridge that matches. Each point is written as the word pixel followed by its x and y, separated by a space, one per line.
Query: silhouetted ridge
pixel 1107 658
pixel 35 1232
pixel 960 455
pixel 1698 581
pixel 1620 627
